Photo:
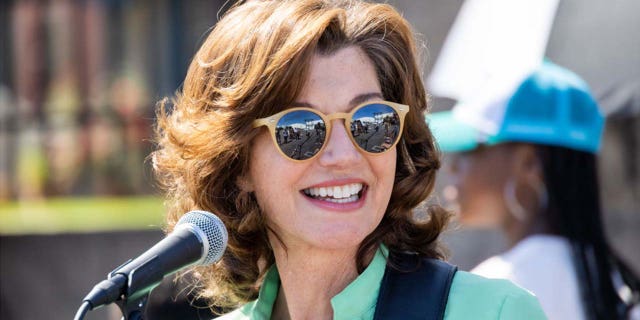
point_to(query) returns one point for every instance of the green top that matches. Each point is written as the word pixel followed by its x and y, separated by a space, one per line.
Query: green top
pixel 470 296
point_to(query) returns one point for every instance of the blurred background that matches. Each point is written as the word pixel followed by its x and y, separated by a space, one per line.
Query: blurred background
pixel 78 83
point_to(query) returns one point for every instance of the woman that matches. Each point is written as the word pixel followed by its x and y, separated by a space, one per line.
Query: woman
pixel 535 177
pixel 313 221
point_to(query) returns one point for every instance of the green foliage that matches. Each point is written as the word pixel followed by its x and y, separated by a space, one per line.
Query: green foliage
pixel 61 215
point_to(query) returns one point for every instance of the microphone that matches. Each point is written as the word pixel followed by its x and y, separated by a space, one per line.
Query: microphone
pixel 199 238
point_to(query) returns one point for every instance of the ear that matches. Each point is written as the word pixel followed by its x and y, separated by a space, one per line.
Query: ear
pixel 528 164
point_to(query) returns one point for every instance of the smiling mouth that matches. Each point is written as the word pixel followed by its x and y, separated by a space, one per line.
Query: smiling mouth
pixel 347 193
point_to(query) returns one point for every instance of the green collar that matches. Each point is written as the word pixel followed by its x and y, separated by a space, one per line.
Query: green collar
pixel 356 301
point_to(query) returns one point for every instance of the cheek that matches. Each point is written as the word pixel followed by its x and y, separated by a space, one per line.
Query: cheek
pixel 477 174
pixel 391 169
pixel 462 178
pixel 480 193
pixel 266 167
pixel 275 180
pixel 385 170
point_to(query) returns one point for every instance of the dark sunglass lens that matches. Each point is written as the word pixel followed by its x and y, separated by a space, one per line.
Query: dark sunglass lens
pixel 375 127
pixel 300 134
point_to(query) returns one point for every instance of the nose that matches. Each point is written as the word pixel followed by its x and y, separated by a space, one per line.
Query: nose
pixel 339 151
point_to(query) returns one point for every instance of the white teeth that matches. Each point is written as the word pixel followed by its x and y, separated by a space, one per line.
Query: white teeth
pixel 345 192
pixel 343 200
pixel 337 192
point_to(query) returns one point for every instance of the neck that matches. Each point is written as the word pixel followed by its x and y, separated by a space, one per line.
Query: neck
pixel 310 277
pixel 516 230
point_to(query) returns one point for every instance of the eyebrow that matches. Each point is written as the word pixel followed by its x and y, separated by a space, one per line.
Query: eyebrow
pixel 361 98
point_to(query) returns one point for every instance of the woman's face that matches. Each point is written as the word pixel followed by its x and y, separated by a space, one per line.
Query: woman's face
pixel 336 83
pixel 477 184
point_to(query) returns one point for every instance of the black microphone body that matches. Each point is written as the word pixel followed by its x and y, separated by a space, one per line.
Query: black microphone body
pixel 201 240
pixel 139 276
pixel 173 253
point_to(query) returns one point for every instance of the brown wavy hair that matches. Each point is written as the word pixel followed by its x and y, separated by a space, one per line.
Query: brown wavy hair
pixel 253 64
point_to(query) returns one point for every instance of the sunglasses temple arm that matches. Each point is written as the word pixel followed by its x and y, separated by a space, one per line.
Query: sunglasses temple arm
pixel 261 122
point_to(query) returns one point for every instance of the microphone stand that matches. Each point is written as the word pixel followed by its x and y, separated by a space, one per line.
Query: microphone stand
pixel 133 309
pixel 130 293
pixel 141 281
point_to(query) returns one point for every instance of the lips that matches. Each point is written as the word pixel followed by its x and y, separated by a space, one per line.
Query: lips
pixel 347 193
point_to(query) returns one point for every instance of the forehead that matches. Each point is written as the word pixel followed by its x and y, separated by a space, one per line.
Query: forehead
pixel 340 81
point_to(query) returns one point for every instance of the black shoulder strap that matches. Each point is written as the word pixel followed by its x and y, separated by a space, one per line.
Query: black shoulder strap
pixel 419 294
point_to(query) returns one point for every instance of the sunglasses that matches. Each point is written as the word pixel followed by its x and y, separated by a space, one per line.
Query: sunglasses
pixel 301 133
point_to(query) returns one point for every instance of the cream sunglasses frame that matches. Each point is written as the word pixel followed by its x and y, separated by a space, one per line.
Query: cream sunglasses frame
pixel 271 121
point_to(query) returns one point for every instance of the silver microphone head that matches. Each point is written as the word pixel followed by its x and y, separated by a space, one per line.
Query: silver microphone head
pixel 211 231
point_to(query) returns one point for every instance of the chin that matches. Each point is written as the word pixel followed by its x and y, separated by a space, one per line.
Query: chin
pixel 342 240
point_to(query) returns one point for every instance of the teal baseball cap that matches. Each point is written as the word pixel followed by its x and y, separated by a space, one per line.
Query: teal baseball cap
pixel 551 106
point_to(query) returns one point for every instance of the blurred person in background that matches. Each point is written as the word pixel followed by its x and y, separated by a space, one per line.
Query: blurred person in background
pixel 526 163
pixel 320 230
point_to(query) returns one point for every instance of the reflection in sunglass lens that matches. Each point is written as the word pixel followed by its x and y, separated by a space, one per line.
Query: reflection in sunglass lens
pixel 300 134
pixel 375 127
